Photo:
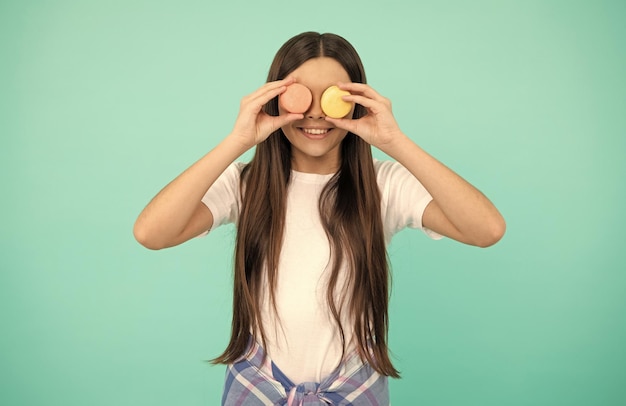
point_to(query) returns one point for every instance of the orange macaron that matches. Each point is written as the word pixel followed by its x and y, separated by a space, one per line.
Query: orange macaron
pixel 296 99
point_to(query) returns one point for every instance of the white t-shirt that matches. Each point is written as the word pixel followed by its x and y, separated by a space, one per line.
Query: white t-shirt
pixel 304 341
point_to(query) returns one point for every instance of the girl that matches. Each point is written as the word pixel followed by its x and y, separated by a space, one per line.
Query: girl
pixel 314 212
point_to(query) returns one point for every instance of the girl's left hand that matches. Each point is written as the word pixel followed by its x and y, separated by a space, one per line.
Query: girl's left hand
pixel 378 127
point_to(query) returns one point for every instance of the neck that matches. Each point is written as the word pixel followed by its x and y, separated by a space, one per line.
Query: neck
pixel 316 165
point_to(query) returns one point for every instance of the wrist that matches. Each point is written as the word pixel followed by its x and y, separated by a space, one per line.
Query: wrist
pixel 237 144
pixel 395 145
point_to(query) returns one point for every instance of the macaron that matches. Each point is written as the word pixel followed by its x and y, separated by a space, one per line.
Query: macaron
pixel 296 99
pixel 332 103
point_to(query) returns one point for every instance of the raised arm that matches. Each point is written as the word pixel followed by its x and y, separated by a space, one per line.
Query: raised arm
pixel 176 213
pixel 458 210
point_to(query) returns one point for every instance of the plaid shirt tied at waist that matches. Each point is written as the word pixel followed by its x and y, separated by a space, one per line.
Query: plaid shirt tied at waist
pixel 252 382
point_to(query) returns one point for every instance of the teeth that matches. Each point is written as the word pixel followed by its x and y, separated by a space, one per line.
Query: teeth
pixel 316 131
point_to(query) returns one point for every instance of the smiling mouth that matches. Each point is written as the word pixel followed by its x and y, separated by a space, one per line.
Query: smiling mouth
pixel 315 131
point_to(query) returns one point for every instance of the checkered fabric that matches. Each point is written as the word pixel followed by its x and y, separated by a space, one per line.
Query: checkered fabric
pixel 252 382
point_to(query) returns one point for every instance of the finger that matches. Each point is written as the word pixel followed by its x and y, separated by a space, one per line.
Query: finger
pixel 257 100
pixel 278 83
pixel 343 123
pixel 284 119
pixel 361 88
pixel 375 106
pixel 268 91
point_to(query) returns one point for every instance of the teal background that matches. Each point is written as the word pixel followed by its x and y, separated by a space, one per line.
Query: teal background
pixel 104 102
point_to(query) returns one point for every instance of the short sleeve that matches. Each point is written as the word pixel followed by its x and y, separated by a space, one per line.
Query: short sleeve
pixel 403 199
pixel 223 197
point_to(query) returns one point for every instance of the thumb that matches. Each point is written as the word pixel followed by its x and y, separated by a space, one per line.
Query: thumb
pixel 343 123
pixel 282 120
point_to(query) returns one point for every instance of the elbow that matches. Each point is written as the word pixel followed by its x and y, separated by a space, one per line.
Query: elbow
pixel 145 237
pixel 492 234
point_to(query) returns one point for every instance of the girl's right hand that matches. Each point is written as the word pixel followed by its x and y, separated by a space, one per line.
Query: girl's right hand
pixel 253 125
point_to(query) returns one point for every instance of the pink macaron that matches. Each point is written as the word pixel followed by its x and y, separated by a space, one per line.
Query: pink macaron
pixel 296 99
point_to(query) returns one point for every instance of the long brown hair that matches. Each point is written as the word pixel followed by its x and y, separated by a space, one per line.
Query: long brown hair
pixel 350 212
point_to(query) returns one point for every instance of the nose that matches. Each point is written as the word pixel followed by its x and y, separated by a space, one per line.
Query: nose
pixel 315 111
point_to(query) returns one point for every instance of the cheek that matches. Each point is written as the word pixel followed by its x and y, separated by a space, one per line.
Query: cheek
pixel 341 134
pixel 290 133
